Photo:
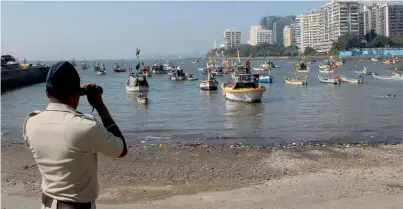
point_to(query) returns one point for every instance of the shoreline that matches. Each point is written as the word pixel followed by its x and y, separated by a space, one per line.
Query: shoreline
pixel 214 176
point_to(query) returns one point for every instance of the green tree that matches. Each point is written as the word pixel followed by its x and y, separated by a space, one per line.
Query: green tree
pixel 310 51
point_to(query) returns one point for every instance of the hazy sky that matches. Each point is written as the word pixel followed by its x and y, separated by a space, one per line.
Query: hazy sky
pixel 108 30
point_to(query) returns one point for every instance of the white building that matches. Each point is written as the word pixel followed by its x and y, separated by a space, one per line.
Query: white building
pixel 310 29
pixel 258 35
pixel 320 28
pixel 232 38
pixel 383 17
pixel 289 35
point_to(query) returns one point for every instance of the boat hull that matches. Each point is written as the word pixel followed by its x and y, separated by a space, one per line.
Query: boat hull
pixel 101 73
pixel 244 95
pixel 351 80
pixel 178 78
pixel 208 85
pixel 137 88
pixel 328 80
pixel 295 82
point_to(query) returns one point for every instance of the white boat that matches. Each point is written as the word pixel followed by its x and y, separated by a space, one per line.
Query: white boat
pixel 245 88
pixel 329 79
pixel 296 81
pixel 374 59
pixel 102 69
pixel 397 76
pixel 101 72
pixel 380 77
pixel 208 82
pixel 137 83
pixel 306 70
pixel 352 80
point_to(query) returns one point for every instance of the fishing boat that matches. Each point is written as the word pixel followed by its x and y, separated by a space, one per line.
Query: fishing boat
pixel 265 77
pixel 296 81
pixel 102 69
pixel 167 65
pixel 387 96
pixel 84 65
pixel 329 79
pixel 389 62
pixel 381 77
pixel 137 83
pixel 119 68
pixel 178 75
pixel 142 98
pixel 373 59
pixel 158 69
pixel 245 88
pixel 352 80
pixel 208 81
pixel 190 77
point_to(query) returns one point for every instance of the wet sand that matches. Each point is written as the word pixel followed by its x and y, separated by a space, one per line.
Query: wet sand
pixel 202 176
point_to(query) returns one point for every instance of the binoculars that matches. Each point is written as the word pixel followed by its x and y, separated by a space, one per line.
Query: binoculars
pixel 88 90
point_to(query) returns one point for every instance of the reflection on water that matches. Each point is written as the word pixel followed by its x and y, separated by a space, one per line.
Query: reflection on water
pixel 180 112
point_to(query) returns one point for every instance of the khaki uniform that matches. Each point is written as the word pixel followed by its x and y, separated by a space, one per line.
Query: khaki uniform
pixel 65 144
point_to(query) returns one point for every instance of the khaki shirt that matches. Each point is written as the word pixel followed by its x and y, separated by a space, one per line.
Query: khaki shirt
pixel 65 144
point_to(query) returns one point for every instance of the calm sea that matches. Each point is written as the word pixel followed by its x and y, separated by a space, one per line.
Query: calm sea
pixel 180 113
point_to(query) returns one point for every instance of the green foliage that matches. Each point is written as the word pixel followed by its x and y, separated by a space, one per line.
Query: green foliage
pixel 259 50
pixel 310 51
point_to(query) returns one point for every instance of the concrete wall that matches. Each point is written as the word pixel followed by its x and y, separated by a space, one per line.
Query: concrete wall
pixel 16 78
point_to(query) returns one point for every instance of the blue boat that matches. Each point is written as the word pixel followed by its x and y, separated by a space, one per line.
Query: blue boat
pixel 265 78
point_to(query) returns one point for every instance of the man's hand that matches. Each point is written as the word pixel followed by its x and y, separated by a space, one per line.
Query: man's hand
pixel 94 95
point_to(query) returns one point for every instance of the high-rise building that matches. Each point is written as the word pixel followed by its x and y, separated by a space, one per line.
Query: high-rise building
pixel 232 38
pixel 276 24
pixel 289 35
pixel 384 18
pixel 258 35
pixel 309 29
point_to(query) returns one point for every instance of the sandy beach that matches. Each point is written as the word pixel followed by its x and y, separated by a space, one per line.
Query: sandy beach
pixel 203 176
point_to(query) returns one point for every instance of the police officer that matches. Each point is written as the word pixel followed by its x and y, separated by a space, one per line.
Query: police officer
pixel 65 142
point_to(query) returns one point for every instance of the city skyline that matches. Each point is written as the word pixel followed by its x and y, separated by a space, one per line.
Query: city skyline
pixel 108 30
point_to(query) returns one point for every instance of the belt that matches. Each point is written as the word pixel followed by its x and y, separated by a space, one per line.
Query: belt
pixel 47 202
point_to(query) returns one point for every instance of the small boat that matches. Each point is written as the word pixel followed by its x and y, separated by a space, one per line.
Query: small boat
pixel 208 81
pixel 178 75
pixel 376 76
pixel 329 79
pixel 397 76
pixel 389 62
pixel 158 69
pixel 352 80
pixel 200 69
pixel 119 68
pixel 363 72
pixel 306 70
pixel 245 88
pixel 295 81
pixel 102 69
pixel 84 65
pixel 387 96
pixel 143 99
pixel 191 77
pixel 137 83
pixel 374 59
pixel 265 78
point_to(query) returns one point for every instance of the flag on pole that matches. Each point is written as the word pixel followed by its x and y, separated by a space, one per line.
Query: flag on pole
pixel 137 52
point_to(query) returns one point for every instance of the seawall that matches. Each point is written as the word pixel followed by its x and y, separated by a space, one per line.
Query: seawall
pixel 17 78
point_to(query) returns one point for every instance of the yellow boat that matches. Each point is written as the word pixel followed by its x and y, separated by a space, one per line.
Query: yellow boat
pixel 338 64
pixel 245 88
pixel 389 62
pixel 296 81
pixel 323 66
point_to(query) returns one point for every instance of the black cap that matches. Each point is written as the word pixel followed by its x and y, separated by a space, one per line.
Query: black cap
pixel 62 75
